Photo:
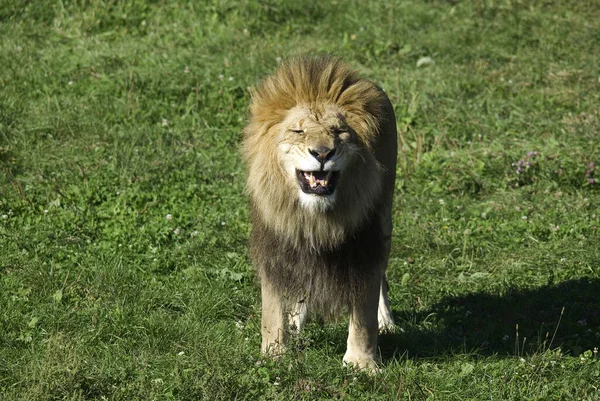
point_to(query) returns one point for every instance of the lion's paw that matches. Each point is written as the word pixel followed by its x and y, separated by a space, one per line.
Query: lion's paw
pixel 363 363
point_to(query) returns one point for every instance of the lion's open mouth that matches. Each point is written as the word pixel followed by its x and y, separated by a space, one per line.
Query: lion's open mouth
pixel 317 182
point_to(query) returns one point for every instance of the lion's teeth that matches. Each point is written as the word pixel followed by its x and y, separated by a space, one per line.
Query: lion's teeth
pixel 313 180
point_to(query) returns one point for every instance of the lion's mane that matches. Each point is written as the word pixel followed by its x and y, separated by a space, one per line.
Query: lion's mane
pixel 322 256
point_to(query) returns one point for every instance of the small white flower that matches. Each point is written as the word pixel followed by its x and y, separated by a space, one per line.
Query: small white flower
pixel 230 79
pixel 70 83
pixel 45 211
pixel 222 223
pixel 5 216
pixel 278 59
pixel 194 234
pixel 442 202
pixel 245 31
pixel 522 360
pixel 165 122
pixel 169 217
pixel 187 70
pixel 176 231
pixel 221 76
pixel 524 218
pixel 181 353
pixel 424 61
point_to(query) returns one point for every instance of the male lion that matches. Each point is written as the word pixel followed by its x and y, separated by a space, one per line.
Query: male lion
pixel 320 148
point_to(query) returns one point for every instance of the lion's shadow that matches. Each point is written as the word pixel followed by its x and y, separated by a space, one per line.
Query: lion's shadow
pixel 565 315
pixel 486 324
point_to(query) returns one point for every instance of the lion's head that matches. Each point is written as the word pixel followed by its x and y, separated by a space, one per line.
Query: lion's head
pixel 312 173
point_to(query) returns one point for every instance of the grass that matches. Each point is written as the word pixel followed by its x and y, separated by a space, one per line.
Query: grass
pixel 123 224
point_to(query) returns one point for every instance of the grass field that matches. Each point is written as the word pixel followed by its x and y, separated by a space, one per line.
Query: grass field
pixel 124 272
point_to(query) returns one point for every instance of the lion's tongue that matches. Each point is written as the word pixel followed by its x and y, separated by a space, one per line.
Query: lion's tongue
pixel 317 178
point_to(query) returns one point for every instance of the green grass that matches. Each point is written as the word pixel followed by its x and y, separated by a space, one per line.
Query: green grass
pixel 124 271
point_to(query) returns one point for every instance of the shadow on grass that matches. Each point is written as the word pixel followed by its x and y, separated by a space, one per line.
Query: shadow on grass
pixel 485 324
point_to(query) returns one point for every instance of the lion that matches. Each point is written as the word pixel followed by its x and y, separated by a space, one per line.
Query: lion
pixel 320 150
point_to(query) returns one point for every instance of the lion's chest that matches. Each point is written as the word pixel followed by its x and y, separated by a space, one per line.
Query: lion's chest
pixel 328 278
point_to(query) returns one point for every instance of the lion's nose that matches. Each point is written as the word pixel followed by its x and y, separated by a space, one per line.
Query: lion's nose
pixel 322 153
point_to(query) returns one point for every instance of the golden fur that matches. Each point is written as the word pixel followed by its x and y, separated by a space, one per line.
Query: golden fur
pixel 313 82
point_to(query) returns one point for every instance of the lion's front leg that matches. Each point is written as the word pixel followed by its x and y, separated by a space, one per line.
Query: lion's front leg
pixel 273 331
pixel 363 328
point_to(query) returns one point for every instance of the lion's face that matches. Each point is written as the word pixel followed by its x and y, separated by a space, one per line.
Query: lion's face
pixel 315 148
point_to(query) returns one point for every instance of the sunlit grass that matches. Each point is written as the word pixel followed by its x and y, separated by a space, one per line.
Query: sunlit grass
pixel 123 265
